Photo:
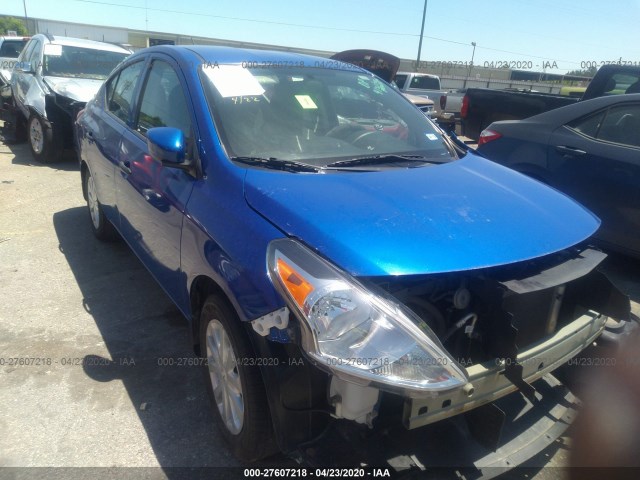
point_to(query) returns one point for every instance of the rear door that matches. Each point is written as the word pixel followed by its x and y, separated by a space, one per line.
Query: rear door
pixel 596 160
pixel 151 198
pixel 102 125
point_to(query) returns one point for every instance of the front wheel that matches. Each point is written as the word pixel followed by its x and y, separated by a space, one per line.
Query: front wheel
pixel 46 147
pixel 234 382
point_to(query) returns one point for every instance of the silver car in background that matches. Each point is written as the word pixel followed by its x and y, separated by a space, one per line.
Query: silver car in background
pixel 52 81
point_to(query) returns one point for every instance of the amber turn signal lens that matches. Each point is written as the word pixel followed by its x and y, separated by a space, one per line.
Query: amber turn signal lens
pixel 297 286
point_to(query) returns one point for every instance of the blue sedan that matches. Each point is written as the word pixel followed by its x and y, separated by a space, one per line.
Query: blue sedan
pixel 332 251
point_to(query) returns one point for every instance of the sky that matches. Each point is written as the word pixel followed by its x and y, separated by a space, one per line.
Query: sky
pixel 550 35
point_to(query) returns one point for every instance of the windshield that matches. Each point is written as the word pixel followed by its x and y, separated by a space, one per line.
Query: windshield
pixel 67 61
pixel 315 116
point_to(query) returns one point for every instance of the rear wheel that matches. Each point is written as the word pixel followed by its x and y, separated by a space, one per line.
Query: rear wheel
pixel 102 228
pixel 45 145
pixel 234 382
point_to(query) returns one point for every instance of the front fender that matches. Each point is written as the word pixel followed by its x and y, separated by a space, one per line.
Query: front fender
pixel 226 241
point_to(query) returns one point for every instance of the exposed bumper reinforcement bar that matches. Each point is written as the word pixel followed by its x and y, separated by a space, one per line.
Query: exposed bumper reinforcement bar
pixel 488 379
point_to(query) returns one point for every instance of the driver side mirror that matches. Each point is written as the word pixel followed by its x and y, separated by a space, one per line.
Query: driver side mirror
pixel 167 146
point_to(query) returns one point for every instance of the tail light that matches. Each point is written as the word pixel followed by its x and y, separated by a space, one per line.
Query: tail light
pixel 464 109
pixel 488 136
pixel 443 102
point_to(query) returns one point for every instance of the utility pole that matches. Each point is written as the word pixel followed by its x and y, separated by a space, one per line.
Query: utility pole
pixel 424 15
pixel 26 19
pixel 472 55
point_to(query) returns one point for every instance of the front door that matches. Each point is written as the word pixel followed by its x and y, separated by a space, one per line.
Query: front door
pixel 151 198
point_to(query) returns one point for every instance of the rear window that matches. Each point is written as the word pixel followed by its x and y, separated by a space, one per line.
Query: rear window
pixel 427 83
pixel 621 83
pixel 12 48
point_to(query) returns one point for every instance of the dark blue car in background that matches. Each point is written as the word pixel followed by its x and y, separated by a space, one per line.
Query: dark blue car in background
pixel 589 150
pixel 339 261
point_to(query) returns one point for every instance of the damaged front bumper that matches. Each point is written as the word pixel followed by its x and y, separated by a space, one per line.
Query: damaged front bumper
pixel 449 449
pixel 488 379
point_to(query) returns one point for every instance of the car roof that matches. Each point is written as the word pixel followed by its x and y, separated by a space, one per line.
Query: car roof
pixel 420 74
pixel 83 43
pixel 584 107
pixel 260 58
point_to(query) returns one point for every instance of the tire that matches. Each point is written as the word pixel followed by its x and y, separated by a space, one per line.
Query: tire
pixel 101 227
pixel 45 144
pixel 247 426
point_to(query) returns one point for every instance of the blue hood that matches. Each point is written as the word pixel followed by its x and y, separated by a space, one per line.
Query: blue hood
pixel 462 215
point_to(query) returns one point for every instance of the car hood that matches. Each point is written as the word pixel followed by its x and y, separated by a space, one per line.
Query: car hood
pixel 78 89
pixel 462 215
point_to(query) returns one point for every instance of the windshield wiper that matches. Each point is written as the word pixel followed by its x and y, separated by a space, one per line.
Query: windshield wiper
pixel 391 158
pixel 272 162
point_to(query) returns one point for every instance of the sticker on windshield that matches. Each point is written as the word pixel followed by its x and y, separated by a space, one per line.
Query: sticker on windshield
pixel 306 102
pixel 53 50
pixel 431 136
pixel 233 81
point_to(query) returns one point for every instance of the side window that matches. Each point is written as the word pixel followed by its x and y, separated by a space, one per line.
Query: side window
pixel 35 56
pixel 163 101
pixel 120 90
pixel 26 53
pixel 621 125
pixel 588 126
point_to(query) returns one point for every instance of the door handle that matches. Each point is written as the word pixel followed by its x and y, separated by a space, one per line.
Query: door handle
pixel 150 195
pixel 125 167
pixel 572 151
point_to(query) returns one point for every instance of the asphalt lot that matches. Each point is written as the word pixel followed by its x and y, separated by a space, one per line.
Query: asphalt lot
pixel 95 326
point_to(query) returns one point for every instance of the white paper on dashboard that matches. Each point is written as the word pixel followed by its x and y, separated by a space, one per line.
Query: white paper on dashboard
pixel 233 81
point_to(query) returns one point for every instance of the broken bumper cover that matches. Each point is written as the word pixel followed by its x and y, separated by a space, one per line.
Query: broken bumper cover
pixel 490 383
pixel 427 453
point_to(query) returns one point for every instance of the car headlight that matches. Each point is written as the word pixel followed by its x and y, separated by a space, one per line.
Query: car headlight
pixel 355 332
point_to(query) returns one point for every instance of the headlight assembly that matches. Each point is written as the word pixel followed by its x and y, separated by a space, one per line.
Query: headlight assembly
pixel 356 333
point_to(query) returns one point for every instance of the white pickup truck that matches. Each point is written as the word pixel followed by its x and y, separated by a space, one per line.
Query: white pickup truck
pixel 452 102
pixel 421 84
